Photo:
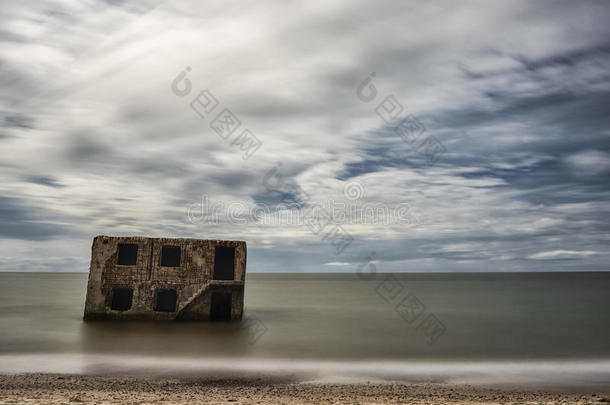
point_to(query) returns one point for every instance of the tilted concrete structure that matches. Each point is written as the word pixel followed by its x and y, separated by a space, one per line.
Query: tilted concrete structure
pixel 166 279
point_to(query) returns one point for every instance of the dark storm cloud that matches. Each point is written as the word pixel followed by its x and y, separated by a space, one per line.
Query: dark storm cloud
pixel 275 198
pixel 18 121
pixel 18 220
pixel 563 123
pixel 391 153
pixel 571 58
pixel 45 181
pixel 235 178
pixel 87 146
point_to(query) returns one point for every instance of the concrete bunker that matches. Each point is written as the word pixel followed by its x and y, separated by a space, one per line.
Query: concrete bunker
pixel 166 279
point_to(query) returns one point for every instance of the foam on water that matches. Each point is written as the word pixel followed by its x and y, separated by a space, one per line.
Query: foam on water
pixel 535 373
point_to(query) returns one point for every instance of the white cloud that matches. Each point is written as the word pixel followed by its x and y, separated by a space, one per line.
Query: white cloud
pixel 591 162
pixel 338 264
pixel 562 255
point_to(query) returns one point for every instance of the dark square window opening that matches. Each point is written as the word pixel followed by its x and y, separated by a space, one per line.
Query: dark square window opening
pixel 166 301
pixel 128 254
pixel 224 263
pixel 221 306
pixel 121 299
pixel 170 256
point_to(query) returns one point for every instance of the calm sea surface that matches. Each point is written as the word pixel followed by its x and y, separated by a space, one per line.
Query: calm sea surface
pixel 460 327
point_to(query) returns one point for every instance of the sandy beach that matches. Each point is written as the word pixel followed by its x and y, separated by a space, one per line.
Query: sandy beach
pixel 62 389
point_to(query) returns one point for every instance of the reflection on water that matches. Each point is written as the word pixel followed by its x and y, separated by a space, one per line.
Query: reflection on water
pixel 165 338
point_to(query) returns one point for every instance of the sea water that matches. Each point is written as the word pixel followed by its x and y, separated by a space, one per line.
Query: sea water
pixel 494 327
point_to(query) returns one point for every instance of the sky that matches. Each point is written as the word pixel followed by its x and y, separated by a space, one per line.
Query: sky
pixel 331 136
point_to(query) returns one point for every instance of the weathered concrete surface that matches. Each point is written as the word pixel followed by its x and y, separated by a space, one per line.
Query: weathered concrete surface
pixel 192 279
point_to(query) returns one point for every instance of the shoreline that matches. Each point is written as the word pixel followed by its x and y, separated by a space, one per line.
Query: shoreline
pixel 533 374
pixel 57 388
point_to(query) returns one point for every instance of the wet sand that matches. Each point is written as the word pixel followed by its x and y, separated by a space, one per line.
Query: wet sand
pixel 62 389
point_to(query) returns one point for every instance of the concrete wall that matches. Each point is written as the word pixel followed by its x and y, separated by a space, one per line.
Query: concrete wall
pixel 192 279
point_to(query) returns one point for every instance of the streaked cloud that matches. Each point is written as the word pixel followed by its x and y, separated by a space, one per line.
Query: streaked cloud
pixel 562 255
pixel 92 139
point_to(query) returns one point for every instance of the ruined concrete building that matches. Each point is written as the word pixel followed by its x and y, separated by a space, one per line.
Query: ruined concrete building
pixel 166 279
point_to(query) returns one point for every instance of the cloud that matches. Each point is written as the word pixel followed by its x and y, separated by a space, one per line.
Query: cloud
pixel 44 180
pixel 20 221
pixel 94 141
pixel 562 255
pixel 17 121
pixel 589 162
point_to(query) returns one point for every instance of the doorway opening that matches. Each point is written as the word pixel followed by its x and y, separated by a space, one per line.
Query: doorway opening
pixel 221 306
